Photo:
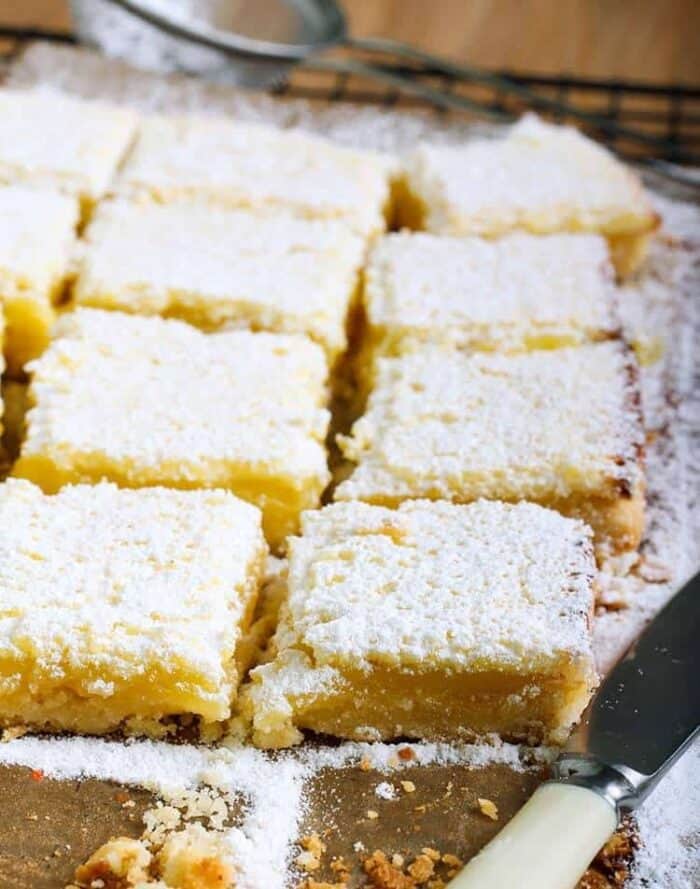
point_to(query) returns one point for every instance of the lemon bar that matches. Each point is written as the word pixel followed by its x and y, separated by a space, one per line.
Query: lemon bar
pixel 213 160
pixel 516 293
pixel 37 234
pixel 431 621
pixel 561 428
pixel 2 369
pixel 215 267
pixel 51 140
pixel 541 178
pixel 149 401
pixel 122 607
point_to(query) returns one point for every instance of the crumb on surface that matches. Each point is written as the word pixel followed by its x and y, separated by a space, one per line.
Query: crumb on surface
pixel 489 808
pixel 382 874
pixel 422 868
pixel 313 847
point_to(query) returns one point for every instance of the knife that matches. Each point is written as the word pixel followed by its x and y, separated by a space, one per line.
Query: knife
pixel 643 717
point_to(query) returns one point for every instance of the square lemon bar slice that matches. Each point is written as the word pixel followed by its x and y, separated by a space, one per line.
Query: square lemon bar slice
pixel 37 235
pixel 51 140
pixel 541 178
pixel 2 370
pixel 216 267
pixel 148 401
pixel 561 428
pixel 122 607
pixel 212 160
pixel 431 621
pixel 516 293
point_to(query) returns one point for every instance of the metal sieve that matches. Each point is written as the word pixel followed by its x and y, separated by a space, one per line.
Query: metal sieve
pixel 257 42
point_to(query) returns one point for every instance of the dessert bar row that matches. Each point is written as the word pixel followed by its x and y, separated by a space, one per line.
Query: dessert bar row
pixel 152 401
pixel 207 277
pixel 123 608
pixel 152 248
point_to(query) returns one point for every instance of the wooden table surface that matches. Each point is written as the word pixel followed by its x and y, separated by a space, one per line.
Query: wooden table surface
pixel 638 39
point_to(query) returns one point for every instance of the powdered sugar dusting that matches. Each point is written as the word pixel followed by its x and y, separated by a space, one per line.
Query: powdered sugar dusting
pixel 669 824
pixel 461 426
pixel 658 305
pixel 272 789
pixel 510 293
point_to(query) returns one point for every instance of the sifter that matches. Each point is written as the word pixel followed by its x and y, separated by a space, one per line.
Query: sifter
pixel 259 41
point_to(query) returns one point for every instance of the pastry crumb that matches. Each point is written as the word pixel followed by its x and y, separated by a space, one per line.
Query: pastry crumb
pixel 451 860
pixel 383 875
pixel 488 808
pixel 422 868
pixel 313 848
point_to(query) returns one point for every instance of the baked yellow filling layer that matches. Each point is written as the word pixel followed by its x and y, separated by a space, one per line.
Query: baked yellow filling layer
pixel 37 236
pixel 214 161
pixel 123 607
pixel 561 428
pixel 431 621
pixel 540 178
pixel 55 142
pixel 147 401
pixel 384 704
pixel 215 267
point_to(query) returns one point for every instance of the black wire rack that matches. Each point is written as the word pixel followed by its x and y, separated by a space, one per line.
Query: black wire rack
pixel 639 120
pixel 651 123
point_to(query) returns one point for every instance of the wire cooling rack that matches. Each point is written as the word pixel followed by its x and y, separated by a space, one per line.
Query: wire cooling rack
pixel 645 122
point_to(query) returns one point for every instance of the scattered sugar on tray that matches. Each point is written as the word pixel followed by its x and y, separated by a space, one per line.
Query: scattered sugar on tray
pixel 387 758
pixel 669 824
pixel 197 782
pixel 259 844
pixel 384 790
pixel 664 858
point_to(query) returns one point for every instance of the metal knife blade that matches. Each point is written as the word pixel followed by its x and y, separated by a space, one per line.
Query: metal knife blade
pixel 647 709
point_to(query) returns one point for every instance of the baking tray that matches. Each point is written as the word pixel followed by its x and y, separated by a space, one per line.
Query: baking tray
pixel 48 826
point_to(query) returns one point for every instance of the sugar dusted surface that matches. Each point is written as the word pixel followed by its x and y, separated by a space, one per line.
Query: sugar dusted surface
pixel 53 140
pixel 219 161
pixel 658 300
pixel 540 177
pixel 505 293
pixel 36 237
pixel 274 790
pixel 538 425
pixel 191 399
pixel 104 583
pixel 433 584
pixel 2 368
pixel 280 272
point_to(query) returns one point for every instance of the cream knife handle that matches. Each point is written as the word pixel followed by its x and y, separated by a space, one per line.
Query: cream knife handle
pixel 547 845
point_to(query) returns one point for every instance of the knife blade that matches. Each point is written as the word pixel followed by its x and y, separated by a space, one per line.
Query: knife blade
pixel 647 709
pixel 644 715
